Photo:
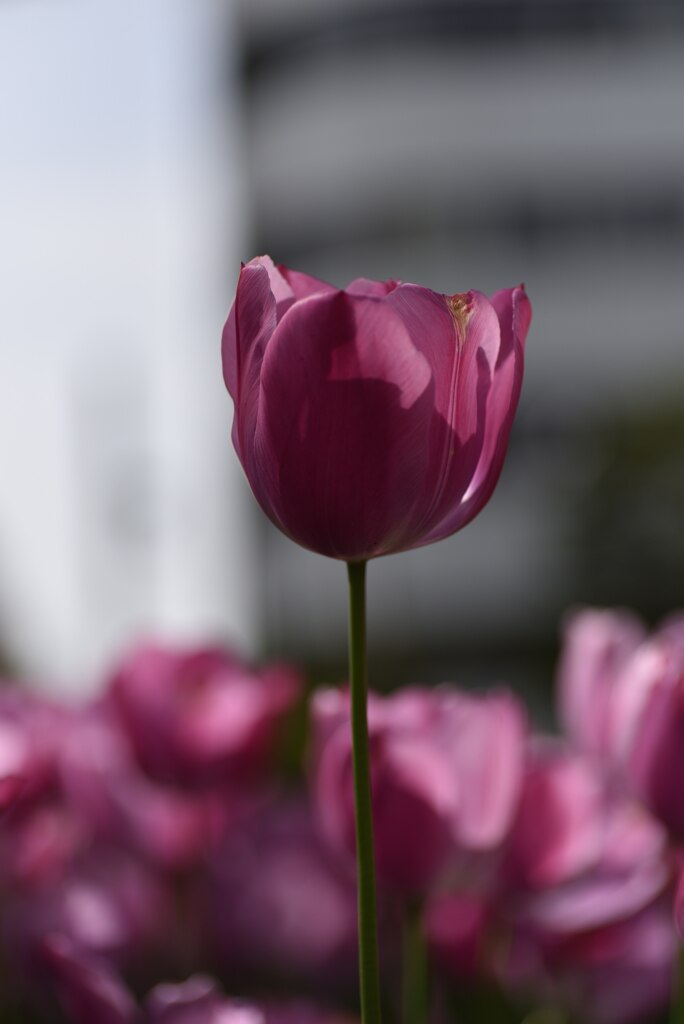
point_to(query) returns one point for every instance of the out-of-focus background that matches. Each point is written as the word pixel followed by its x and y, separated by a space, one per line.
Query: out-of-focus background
pixel 150 145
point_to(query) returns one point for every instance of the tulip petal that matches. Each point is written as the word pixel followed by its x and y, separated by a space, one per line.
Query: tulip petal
pixel 301 285
pixel 563 791
pixel 250 324
pixel 344 415
pixel 468 413
pixel 514 314
pixel 656 755
pixel 486 746
pixel 598 644
pixel 412 796
pixel 364 286
pixel 437 335
pixel 88 987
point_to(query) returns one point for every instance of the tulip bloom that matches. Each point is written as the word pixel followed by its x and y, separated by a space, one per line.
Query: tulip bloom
pixel 200 718
pixel 445 765
pixel 280 903
pixel 656 756
pixel 595 704
pixel 372 419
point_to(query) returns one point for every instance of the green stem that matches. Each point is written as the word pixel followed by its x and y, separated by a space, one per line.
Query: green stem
pixel 677 1005
pixel 414 967
pixel 369 975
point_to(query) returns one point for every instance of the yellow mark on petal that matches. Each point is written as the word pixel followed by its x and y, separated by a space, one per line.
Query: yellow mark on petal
pixel 460 307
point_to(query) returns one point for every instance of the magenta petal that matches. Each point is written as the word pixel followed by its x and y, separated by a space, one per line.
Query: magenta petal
pixel 597 647
pixel 364 287
pixel 344 413
pixel 630 873
pixel 197 1001
pixel 563 791
pixel 471 728
pixel 88 987
pixel 450 453
pixel 413 795
pixel 302 285
pixel 474 413
pixel 457 927
pixel 656 757
pixel 497 409
pixel 250 324
pixel 515 315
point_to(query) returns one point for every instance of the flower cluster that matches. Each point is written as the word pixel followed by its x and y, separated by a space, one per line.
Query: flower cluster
pixel 155 833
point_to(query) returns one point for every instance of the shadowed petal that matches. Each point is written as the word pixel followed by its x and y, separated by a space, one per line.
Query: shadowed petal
pixel 345 410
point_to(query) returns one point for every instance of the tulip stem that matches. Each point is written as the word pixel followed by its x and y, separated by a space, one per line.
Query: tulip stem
pixel 414 967
pixel 369 974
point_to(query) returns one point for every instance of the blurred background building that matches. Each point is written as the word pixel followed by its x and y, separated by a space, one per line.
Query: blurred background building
pixel 151 145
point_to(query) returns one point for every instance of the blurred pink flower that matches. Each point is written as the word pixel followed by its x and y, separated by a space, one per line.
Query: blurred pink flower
pixel 558 830
pixel 106 904
pixel 618 973
pixel 88 988
pixel 446 769
pixel 30 727
pixel 92 993
pixel 198 1001
pixel 279 903
pixel 105 787
pixel 622 699
pixel 582 869
pixel 459 927
pixel 407 394
pixel 579 855
pixel 202 718
pixel 598 644
pixel 655 757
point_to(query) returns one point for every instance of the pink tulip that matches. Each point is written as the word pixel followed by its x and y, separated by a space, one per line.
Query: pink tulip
pixel 458 928
pixel 280 902
pixel 106 789
pixel 198 1001
pixel 558 829
pixel 446 770
pixel 201 718
pixel 106 905
pixel 620 973
pixel 569 926
pixel 88 988
pixel 656 753
pixel 30 730
pixel 598 645
pixel 373 419
pixel 623 698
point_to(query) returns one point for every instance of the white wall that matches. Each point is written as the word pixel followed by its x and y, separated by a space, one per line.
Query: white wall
pixel 121 503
